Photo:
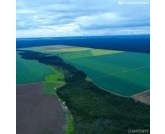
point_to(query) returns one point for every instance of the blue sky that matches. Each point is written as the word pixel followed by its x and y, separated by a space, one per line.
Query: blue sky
pixel 54 18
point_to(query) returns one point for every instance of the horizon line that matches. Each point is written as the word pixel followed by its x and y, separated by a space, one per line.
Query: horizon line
pixel 83 36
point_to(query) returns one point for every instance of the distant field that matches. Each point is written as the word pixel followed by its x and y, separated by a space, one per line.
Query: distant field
pixel 29 71
pixel 123 73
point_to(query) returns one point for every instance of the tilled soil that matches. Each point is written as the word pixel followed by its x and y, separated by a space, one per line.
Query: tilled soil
pixel 37 113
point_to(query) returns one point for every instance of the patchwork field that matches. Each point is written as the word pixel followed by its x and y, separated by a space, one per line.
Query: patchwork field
pixel 38 97
pixel 91 109
pixel 123 73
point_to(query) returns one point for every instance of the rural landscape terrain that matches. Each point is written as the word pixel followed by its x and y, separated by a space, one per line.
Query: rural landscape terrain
pixel 82 67
pixel 71 89
pixel 109 69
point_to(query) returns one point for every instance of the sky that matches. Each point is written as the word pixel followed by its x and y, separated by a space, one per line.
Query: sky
pixel 61 18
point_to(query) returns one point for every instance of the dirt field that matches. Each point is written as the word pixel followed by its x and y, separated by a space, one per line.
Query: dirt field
pixel 143 97
pixel 51 47
pixel 36 113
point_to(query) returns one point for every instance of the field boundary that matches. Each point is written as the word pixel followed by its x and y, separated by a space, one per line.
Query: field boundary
pixel 28 83
pixel 110 91
pixel 140 92
pixel 121 72
pixel 129 97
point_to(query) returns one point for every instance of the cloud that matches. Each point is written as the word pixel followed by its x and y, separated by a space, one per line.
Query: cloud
pixel 78 18
pixel 102 20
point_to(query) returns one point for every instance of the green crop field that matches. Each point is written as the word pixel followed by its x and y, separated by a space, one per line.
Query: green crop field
pixel 29 71
pixel 123 73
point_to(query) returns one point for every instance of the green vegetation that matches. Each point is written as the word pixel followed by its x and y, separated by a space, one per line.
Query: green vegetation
pixel 70 123
pixel 76 55
pixel 94 111
pixel 97 112
pixel 52 82
pixel 124 73
pixel 29 71
pixel 96 52
pixel 119 86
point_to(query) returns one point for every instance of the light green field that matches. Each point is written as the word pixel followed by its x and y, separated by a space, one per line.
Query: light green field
pixel 52 82
pixel 96 52
pixel 124 73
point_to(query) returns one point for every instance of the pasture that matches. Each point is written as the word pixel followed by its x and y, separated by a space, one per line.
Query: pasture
pixel 52 82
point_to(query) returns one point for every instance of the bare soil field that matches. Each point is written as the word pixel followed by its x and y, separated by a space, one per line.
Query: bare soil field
pixel 143 97
pixel 37 113
pixel 51 47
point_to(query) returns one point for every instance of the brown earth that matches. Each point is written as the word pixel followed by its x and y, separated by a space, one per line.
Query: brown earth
pixel 51 47
pixel 143 97
pixel 37 113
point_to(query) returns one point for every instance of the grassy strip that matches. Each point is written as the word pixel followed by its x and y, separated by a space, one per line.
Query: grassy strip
pixel 70 126
pixel 51 84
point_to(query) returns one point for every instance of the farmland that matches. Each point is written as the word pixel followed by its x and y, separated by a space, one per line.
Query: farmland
pixel 37 113
pixel 119 72
pixel 52 82
pixel 30 71
pixel 94 111
pixel 29 74
pixel 36 84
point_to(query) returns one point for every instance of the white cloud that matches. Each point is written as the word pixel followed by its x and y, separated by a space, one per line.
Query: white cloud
pixel 25 11
pixel 73 17
pixel 99 20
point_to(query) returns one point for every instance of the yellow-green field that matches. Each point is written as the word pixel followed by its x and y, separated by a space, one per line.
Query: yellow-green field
pixel 52 82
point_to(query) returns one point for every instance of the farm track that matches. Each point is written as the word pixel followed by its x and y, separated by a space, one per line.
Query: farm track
pixel 28 84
